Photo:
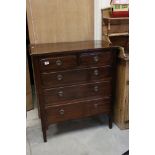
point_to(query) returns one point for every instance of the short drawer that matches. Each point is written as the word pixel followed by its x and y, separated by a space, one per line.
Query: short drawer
pixel 96 58
pixel 58 63
pixel 62 78
pixel 56 96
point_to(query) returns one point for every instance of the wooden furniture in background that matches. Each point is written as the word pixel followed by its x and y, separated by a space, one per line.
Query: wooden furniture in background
pixel 113 27
pixel 29 103
pixel 74 80
pixel 116 32
pixel 121 107
pixel 51 21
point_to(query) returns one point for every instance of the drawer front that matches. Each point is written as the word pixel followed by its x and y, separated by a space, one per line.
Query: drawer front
pixel 77 110
pixel 61 78
pixel 98 107
pixel 58 63
pixel 96 58
pixel 58 95
pixel 64 112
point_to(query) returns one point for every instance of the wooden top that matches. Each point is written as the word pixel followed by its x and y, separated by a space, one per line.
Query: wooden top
pixel 47 48
pixel 107 15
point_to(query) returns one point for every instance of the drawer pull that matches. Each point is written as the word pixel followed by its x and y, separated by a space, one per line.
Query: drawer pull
pixel 96 58
pixel 96 89
pixel 59 77
pixel 58 62
pixel 46 63
pixel 62 112
pixel 96 72
pixel 60 93
pixel 96 106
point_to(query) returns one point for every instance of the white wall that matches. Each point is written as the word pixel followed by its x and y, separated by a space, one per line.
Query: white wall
pixel 99 4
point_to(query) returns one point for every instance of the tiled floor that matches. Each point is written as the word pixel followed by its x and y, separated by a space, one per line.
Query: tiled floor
pixel 80 137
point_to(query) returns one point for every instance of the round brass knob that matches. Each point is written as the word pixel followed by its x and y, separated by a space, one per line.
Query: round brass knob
pixel 96 105
pixel 62 112
pixel 96 89
pixel 96 58
pixel 59 77
pixel 58 62
pixel 96 72
pixel 60 93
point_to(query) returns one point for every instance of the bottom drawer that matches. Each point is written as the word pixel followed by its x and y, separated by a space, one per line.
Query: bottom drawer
pixel 77 110
pixel 64 112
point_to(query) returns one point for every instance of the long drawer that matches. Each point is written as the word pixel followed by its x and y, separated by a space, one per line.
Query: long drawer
pixel 56 96
pixel 77 110
pixel 69 77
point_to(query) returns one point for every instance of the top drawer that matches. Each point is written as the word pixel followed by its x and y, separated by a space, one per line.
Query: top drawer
pixel 96 58
pixel 58 63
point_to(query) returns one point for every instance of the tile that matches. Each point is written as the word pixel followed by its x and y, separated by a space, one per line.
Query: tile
pixel 60 146
pixel 105 141
pixel 32 114
pixel 28 148
pixel 33 123
pixel 123 140
pixel 34 135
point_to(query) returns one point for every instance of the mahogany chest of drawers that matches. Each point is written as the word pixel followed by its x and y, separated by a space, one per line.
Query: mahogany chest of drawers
pixel 73 80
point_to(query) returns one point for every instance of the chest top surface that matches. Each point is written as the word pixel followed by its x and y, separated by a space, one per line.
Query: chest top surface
pixel 48 48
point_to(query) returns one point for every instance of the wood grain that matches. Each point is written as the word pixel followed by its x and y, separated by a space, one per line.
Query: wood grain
pixel 116 31
pixel 68 47
pixel 77 109
pixel 52 21
pixel 60 78
pixel 121 108
pixel 113 26
pixel 60 94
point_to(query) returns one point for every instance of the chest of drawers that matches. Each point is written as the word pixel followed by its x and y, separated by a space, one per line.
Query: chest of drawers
pixel 73 80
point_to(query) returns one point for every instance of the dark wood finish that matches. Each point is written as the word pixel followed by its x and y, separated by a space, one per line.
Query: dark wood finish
pixel 97 58
pixel 77 109
pixel 110 121
pixel 61 78
pixel 58 63
pixel 56 95
pixel 98 106
pixel 64 112
pixel 78 86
